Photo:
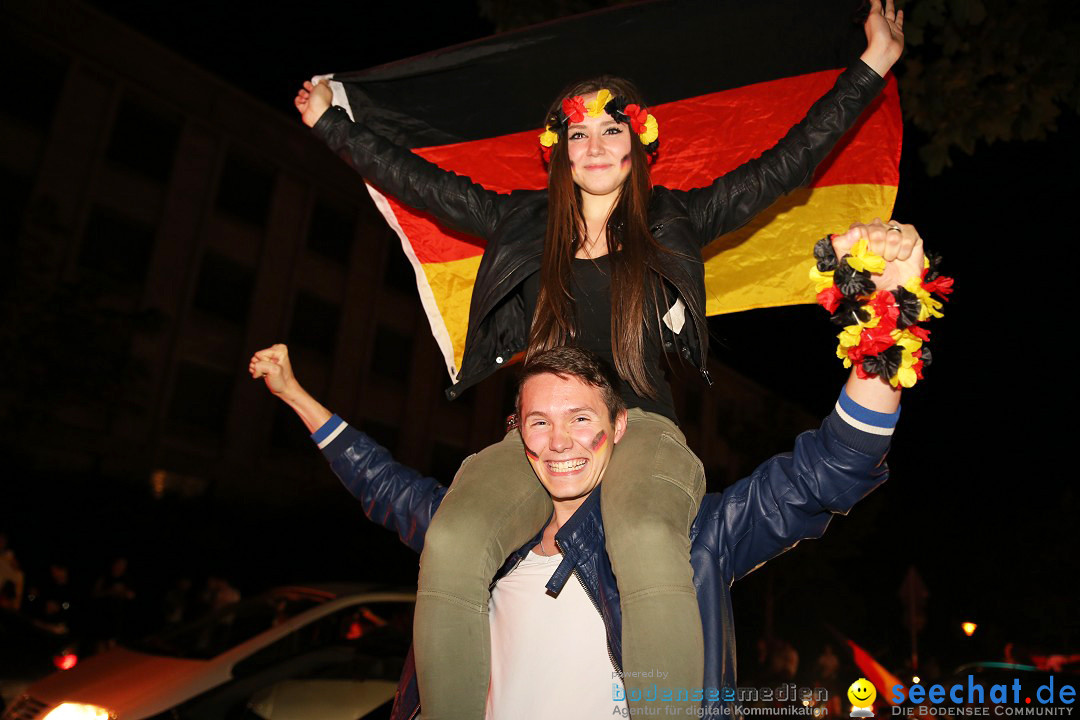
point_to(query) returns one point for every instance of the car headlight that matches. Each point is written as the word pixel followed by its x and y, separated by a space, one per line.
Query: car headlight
pixel 79 711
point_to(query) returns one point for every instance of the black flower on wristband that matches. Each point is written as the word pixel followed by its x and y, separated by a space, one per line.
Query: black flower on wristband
pixel 852 282
pixel 849 311
pixel 908 305
pixel 885 363
pixel 824 254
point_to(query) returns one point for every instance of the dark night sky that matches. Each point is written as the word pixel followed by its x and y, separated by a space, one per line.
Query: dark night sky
pixel 979 497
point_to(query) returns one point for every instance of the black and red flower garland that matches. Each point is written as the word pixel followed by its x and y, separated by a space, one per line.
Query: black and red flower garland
pixel 575 108
pixel 881 335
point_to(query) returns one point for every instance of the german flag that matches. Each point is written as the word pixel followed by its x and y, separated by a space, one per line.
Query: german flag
pixel 876 673
pixel 725 78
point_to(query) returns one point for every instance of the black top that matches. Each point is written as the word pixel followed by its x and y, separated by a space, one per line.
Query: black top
pixel 591 287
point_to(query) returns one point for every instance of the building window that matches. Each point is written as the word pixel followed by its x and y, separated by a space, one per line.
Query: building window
pixel 330 232
pixel 117 247
pixel 315 323
pixel 224 288
pixel 245 188
pixel 31 93
pixel 391 358
pixel 143 140
pixel 200 399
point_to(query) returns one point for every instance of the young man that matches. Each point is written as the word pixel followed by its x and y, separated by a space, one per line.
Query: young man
pixel 548 636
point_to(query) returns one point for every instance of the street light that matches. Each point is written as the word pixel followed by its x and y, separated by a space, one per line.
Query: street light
pixel 968 628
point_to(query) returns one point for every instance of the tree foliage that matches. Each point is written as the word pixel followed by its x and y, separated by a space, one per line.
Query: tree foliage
pixel 980 71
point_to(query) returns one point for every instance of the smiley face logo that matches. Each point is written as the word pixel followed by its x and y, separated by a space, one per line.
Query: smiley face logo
pixel 862 694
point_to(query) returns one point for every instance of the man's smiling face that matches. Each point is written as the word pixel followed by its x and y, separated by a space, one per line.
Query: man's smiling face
pixel 568 434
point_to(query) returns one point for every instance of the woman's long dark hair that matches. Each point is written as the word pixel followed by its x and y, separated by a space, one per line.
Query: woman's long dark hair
pixel 627 231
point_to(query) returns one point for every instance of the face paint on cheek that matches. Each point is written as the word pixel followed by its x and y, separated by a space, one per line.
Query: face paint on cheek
pixel 531 454
pixel 599 440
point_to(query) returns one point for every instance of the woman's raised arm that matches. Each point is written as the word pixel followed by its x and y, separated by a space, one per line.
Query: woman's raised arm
pixel 455 200
pixel 734 199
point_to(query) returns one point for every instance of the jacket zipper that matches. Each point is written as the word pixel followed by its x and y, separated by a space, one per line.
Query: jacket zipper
pixel 596 605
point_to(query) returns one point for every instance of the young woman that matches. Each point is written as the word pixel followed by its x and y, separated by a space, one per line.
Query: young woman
pixel 604 260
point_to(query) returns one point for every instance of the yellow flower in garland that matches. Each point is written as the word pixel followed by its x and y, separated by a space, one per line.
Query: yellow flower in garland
pixel 928 305
pixel 862 259
pixel 596 107
pixel 548 138
pixel 652 130
pixel 820 279
pixel 851 336
pixel 907 340
pixel 906 375
pixel 842 353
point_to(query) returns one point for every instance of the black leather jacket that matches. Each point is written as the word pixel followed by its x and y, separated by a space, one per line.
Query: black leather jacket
pixel 513 225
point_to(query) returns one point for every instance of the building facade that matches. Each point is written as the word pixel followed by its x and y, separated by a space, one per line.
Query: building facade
pixel 161 225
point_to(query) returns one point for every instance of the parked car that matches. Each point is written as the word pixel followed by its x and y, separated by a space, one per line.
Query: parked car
pixel 277 656
pixel 29 651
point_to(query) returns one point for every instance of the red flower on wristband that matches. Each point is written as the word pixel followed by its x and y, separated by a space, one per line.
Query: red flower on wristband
pixel 574 108
pixel 884 306
pixel 637 116
pixel 830 298
pixel 917 366
pixel 940 285
pixel 919 332
pixel 876 339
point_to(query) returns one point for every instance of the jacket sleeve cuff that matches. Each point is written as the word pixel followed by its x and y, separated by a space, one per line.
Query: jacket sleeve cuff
pixel 861 75
pixel 331 119
pixel 861 428
pixel 330 431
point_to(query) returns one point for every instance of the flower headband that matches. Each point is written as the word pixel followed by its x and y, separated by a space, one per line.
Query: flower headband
pixel 575 108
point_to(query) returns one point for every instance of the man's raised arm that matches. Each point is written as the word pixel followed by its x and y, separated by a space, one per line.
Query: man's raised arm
pixel 793 496
pixel 391 494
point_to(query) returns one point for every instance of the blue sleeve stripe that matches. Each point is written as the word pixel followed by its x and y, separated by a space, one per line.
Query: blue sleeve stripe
pixel 330 430
pixel 863 418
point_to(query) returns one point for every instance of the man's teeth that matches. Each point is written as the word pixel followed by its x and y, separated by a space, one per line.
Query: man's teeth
pixel 567 465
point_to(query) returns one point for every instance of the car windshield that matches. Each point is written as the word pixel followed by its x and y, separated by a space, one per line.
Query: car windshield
pixel 226 628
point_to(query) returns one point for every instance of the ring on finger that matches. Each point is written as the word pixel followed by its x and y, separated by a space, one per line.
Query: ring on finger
pixel 897 228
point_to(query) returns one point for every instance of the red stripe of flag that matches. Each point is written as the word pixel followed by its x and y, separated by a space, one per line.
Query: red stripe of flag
pixel 701 139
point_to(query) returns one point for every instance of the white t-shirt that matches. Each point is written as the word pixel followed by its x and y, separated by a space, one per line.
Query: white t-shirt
pixel 549 656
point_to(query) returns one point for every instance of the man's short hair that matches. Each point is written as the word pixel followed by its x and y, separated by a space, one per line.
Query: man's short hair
pixel 566 362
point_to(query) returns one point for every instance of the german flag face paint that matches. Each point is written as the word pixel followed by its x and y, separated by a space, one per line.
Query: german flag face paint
pixel 568 436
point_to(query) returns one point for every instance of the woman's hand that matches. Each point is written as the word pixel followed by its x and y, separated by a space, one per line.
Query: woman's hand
pixel 899 245
pixel 312 101
pixel 884 36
